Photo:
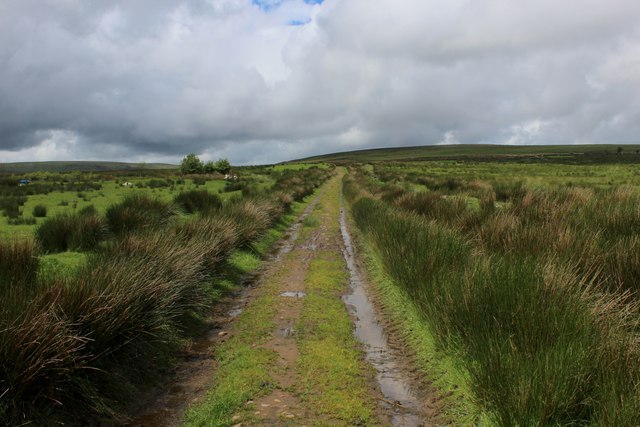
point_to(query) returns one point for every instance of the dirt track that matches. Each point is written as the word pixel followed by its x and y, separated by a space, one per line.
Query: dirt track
pixel 318 374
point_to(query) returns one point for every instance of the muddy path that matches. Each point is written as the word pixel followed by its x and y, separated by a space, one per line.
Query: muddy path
pixel 193 373
pixel 327 357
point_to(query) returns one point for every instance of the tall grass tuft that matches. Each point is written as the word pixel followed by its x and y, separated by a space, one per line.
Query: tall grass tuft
pixel 251 219
pixel 518 294
pixel 39 211
pixel 78 347
pixel 138 212
pixel 198 201
pixel 18 264
pixel 71 232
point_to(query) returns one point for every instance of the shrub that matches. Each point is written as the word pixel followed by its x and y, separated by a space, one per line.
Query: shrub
pixel 21 221
pixel 230 186
pixel 88 210
pixel 11 205
pixel 39 211
pixel 198 201
pixel 520 302
pixel 138 212
pixel 70 232
pixel 250 219
pixel 198 180
pixel 18 264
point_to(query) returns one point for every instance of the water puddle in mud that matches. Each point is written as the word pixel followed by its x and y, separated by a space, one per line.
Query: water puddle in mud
pixel 293 294
pixel 285 332
pixel 197 365
pixel 399 399
pixel 235 312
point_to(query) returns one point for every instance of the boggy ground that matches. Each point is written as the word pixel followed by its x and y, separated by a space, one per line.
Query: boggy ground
pixel 291 357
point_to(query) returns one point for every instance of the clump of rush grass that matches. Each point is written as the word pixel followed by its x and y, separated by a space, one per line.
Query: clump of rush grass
pixel 131 302
pixel 251 219
pixel 79 346
pixel 18 264
pixel 71 232
pixel 138 212
pixel 39 211
pixel 198 201
pixel 433 205
pixel 519 298
pixel 534 350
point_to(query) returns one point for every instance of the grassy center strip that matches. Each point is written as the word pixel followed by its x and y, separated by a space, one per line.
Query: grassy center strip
pixel 333 377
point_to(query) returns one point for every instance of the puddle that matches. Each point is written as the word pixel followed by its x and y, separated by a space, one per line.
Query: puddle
pixel 400 401
pixel 197 365
pixel 293 294
pixel 235 312
pixel 291 236
pixel 311 247
pixel 285 332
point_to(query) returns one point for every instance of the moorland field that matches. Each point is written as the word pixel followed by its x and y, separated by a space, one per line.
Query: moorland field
pixel 104 276
pixel 520 267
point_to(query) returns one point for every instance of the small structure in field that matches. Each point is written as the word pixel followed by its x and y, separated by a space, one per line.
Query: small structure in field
pixel 127 184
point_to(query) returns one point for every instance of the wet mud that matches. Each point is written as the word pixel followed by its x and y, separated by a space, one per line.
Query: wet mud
pixel 192 376
pixel 399 400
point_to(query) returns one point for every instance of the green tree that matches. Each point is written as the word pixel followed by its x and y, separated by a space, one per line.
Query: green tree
pixel 191 164
pixel 209 167
pixel 223 166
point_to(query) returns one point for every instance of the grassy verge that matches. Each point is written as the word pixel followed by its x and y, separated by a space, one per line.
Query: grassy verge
pixel 434 366
pixel 542 345
pixel 243 370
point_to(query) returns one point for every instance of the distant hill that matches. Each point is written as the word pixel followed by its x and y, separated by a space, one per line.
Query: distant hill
pixel 88 166
pixel 570 153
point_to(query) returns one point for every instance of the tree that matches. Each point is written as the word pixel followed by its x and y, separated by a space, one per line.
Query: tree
pixel 191 164
pixel 209 167
pixel 223 166
pixel 619 150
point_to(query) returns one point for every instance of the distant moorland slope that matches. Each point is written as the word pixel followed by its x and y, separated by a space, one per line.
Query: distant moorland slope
pixel 84 166
pixel 570 153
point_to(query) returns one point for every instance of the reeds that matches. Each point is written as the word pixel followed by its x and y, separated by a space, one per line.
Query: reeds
pixel 198 201
pixel 537 299
pixel 138 212
pixel 80 346
pixel 79 232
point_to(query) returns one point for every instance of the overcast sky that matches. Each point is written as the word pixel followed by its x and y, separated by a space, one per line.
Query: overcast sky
pixel 261 81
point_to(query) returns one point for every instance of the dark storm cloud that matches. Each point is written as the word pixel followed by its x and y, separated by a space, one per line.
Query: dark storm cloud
pixel 154 79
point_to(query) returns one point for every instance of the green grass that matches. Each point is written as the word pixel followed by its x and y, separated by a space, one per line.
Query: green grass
pixel 65 263
pixel 435 366
pixel 333 376
pixel 243 367
pixel 526 297
pixel 112 192
pixel 243 372
pixel 334 379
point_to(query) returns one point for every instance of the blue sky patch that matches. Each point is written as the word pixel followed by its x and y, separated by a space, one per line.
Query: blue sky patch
pixel 267 5
pixel 299 22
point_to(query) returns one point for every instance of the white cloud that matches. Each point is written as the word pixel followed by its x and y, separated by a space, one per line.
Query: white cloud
pixel 157 79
